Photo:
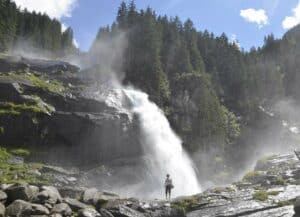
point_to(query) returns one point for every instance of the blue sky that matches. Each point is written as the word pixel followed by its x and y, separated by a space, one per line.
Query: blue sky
pixel 246 20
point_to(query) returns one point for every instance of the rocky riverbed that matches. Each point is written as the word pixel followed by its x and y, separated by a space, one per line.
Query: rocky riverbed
pixel 271 189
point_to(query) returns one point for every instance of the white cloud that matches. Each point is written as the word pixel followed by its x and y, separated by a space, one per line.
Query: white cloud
pixel 63 27
pixel 54 8
pixel 233 39
pixel 75 42
pixel 291 21
pixel 255 16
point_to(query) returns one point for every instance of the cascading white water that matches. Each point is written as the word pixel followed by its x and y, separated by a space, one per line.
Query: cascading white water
pixel 162 147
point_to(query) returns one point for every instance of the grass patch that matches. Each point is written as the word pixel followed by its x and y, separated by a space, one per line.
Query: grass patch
pixel 17 173
pixel 4 155
pixel 20 152
pixel 38 81
pixel 260 195
pixel 280 181
pixel 286 203
pixel 185 205
pixel 10 108
pixel 252 174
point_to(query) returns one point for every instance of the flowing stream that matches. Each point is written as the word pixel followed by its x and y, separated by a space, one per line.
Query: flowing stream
pixel 162 147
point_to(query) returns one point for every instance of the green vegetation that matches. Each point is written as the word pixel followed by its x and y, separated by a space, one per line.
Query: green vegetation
pixel 4 155
pixel 17 173
pixel 279 181
pixel 9 108
pixel 252 174
pixel 20 152
pixel 260 195
pixel 49 85
pixel 35 30
pixel 263 195
pixel 38 81
pixel 172 61
pixel 208 86
pixel 2 130
pixel 285 203
pixel 186 204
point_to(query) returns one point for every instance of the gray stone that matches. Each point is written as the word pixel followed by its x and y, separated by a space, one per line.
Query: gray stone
pixel 62 208
pixel 56 215
pixel 3 197
pixel 48 194
pixel 21 191
pixel 297 206
pixel 88 212
pixel 124 211
pixel 90 196
pixel 74 204
pixel 103 198
pixel 2 210
pixel 72 192
pixel 20 208
pixel 60 170
pixel 105 213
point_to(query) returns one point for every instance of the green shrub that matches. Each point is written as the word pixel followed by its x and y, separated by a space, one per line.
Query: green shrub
pixel 252 174
pixel 280 181
pixel 185 205
pixel 4 155
pixel 20 152
pixel 260 195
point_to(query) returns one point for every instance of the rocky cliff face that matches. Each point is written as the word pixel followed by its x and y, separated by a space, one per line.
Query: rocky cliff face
pixel 46 107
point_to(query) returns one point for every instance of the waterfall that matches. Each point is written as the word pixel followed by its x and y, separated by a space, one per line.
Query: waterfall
pixel 162 147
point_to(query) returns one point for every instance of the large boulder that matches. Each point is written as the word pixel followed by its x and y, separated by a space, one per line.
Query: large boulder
pixel 62 208
pixel 48 194
pixel 90 196
pixel 3 197
pixel 20 208
pixel 104 198
pixel 297 206
pixel 93 197
pixel 2 210
pixel 74 204
pixel 22 191
pixel 72 192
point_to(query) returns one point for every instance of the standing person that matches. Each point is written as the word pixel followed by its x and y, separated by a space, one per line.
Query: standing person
pixel 168 186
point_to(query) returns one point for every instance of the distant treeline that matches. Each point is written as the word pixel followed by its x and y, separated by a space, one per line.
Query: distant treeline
pixel 20 29
pixel 207 85
pixel 173 62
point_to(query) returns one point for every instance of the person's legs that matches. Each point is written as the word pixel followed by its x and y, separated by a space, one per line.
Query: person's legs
pixel 168 192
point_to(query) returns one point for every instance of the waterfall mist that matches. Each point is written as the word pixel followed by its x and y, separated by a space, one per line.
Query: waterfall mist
pixel 162 148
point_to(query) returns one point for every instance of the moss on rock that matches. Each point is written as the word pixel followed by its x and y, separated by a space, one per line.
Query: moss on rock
pixel 18 173
pixel 260 195
pixel 252 174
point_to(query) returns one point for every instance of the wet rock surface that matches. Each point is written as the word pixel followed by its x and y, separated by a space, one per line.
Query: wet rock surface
pixel 270 190
pixel 64 117
pixel 276 194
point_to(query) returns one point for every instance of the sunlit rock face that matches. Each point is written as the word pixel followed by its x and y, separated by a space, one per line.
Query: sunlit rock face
pixel 67 120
